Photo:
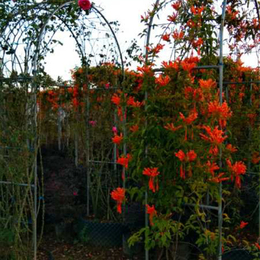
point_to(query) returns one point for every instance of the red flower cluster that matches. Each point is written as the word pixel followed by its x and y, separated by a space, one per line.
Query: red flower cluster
pixel 237 169
pixel 118 195
pixel 243 224
pixel 152 212
pixel 162 81
pixel 152 173
pixel 188 157
pixel 215 136
pixel 124 160
pixel 117 139
pixel 219 111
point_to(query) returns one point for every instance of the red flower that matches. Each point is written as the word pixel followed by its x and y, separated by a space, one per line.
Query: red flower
pixel 171 127
pixel 215 136
pixel 219 179
pixel 118 195
pixel 162 81
pixel 146 69
pixel 157 48
pixel 237 169
pixel 191 156
pixel 191 23
pixel 177 35
pixel 212 167
pixel 134 128
pixel 152 173
pixel 257 245
pixel 70 90
pixel 255 158
pixel 243 224
pixel 191 117
pixel 131 102
pixel 117 139
pixel 197 43
pixel 197 10
pixel 115 99
pixel 231 148
pixel 152 212
pixel 180 155
pixel 166 37
pixel 182 172
pixel 84 4
pixel 172 18
pixel 75 102
pixel 124 160
pixel 170 65
pixel 176 5
pixel 221 112
pixel 207 84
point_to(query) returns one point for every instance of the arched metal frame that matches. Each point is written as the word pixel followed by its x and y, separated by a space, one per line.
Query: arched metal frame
pixel 34 88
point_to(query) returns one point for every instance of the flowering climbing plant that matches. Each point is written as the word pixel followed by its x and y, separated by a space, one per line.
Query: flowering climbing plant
pixel 184 140
pixel 177 138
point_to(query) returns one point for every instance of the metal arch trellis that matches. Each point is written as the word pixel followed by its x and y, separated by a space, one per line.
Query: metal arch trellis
pixel 35 47
pixel 157 6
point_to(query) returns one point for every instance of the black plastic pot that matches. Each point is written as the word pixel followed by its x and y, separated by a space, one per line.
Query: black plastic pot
pixel 237 254
pixel 100 234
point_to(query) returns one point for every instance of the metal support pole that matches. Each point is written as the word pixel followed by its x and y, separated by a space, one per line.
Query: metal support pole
pixel 202 206
pixel 35 144
pixel 259 207
pixel 220 209
pixel 146 98
pixel 88 149
pixel 59 127
pixel 115 148
pixel 35 209
pixel 76 149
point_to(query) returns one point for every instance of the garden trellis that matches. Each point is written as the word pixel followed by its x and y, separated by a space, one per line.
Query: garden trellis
pixel 27 35
pixel 156 115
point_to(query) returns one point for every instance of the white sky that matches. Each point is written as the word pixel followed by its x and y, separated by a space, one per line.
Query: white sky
pixel 128 13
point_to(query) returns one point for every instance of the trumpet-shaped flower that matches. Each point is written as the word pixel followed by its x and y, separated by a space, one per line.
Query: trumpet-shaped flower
pixel 117 139
pixel 171 127
pixel 116 99
pixel 134 128
pixel 243 224
pixel 220 111
pixel 152 173
pixel 152 212
pixel 237 169
pixel 181 155
pixel 215 136
pixel 118 195
pixel 191 117
pixel 124 160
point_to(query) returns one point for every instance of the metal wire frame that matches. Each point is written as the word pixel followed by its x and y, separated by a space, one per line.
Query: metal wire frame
pixel 34 89
pixel 149 29
pixel 35 65
pixel 220 68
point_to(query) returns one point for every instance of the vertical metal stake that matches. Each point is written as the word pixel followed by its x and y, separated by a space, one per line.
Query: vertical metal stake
pixel 220 210
pixel 59 128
